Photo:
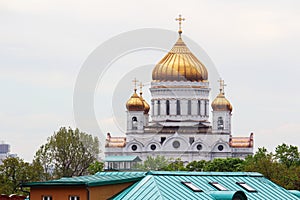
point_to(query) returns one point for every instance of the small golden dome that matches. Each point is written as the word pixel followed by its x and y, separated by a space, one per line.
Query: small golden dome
pixel 180 65
pixel 221 103
pixel 135 103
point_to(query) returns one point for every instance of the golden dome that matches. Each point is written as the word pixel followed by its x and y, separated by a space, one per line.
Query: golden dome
pixel 221 103
pixel 135 103
pixel 179 65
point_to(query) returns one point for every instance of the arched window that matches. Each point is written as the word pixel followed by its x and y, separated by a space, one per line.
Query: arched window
pixel 158 107
pixel 168 107
pixel 189 107
pixel 178 107
pixel 134 123
pixel 220 123
pixel 199 107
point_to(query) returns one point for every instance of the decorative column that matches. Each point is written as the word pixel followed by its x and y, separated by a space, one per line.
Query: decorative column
pixel 163 107
pixel 202 107
pixel 184 107
pixel 207 108
pixel 194 107
pixel 155 110
pixel 172 107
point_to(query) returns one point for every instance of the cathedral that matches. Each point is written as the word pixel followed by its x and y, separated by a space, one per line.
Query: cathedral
pixel 179 113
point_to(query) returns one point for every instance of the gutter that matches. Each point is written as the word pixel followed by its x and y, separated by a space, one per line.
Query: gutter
pixel 87 192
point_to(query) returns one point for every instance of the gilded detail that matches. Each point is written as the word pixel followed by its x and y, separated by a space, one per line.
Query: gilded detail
pixel 180 65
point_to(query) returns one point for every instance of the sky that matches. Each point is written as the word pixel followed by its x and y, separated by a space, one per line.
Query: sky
pixel 254 46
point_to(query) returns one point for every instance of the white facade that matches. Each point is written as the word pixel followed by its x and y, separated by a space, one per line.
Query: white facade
pixel 179 131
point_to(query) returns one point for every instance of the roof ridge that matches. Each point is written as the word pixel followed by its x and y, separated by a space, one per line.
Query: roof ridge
pixel 158 187
pixel 189 173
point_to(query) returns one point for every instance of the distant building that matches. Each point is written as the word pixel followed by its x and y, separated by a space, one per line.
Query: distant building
pixel 179 126
pixel 5 152
pixel 161 185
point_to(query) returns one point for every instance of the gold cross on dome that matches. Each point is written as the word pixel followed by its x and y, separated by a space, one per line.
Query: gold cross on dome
pixel 222 85
pixel 135 83
pixel 180 19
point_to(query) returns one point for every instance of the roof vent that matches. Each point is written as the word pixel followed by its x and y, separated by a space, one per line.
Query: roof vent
pixel 246 187
pixel 192 186
pixel 218 186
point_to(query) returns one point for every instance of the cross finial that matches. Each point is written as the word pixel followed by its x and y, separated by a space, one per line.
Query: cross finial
pixel 180 19
pixel 135 82
pixel 222 85
pixel 141 88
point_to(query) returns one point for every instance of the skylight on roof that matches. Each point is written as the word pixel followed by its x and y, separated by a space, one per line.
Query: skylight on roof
pixel 218 186
pixel 246 186
pixel 192 186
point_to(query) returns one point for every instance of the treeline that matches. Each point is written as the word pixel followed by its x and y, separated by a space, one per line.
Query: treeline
pixel 282 167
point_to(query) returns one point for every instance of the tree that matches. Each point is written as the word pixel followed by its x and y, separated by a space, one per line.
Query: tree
pixel 176 165
pixel 197 166
pixel 14 172
pixel 224 165
pixel 283 167
pixel 68 153
pixel 95 167
pixel 288 155
pixel 262 161
pixel 153 163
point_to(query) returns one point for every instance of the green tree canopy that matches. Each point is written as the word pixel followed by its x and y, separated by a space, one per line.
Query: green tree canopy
pixel 224 165
pixel 14 172
pixel 153 163
pixel 196 165
pixel 176 165
pixel 95 167
pixel 283 167
pixel 287 154
pixel 68 153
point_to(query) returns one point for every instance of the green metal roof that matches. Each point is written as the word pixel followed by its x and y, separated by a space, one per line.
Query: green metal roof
pixel 100 178
pixel 171 185
pixel 122 159
pixel 168 185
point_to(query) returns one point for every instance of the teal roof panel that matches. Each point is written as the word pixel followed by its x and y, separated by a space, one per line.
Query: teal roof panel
pixel 100 178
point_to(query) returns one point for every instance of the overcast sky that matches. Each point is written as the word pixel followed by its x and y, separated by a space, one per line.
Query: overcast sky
pixel 43 45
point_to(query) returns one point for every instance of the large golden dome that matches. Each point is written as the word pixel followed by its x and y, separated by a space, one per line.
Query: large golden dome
pixel 179 65
pixel 135 103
